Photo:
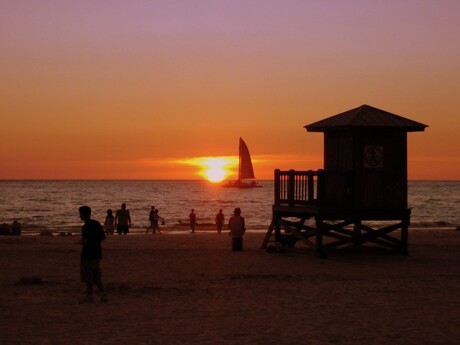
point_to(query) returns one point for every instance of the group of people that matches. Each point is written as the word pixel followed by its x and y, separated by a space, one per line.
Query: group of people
pixel 93 233
pixel 121 221
pixel 220 219
pixel 14 229
pixel 236 225
pixel 154 219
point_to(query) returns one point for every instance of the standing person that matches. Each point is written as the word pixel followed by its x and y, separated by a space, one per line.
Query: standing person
pixel 92 234
pixel 219 221
pixel 192 217
pixel 152 220
pixel 122 220
pixel 16 228
pixel 237 228
pixel 109 222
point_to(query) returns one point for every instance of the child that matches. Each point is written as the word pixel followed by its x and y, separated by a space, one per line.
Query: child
pixel 108 222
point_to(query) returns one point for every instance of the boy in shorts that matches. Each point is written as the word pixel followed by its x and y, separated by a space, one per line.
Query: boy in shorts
pixel 92 234
pixel 122 220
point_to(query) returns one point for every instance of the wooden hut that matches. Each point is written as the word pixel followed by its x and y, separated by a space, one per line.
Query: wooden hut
pixel 363 183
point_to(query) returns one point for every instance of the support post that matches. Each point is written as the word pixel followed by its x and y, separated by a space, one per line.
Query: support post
pixel 268 234
pixel 358 233
pixel 311 186
pixel 277 186
pixel 291 188
pixel 405 236
pixel 319 239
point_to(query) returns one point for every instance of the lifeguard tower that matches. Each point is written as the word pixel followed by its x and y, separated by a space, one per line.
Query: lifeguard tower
pixel 361 194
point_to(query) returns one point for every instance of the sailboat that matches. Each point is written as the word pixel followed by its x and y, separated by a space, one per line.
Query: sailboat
pixel 246 178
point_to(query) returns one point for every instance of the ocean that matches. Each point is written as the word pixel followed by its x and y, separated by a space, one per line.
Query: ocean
pixel 53 205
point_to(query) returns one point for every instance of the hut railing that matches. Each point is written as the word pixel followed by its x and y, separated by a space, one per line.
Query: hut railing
pixel 298 188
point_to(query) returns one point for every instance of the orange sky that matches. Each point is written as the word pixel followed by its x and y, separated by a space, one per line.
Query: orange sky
pixel 125 90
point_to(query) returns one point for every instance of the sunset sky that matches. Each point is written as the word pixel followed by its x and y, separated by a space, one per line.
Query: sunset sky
pixel 138 89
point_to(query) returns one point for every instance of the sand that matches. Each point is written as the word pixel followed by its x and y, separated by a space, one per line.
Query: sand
pixel 191 289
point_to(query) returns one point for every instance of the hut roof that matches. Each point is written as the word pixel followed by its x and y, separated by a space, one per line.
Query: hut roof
pixel 365 116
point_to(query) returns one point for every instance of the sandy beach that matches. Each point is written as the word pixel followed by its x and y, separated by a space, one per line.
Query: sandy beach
pixel 191 289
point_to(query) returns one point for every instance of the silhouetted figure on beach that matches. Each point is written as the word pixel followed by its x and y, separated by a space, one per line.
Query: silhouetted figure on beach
pixel 220 219
pixel 109 226
pixel 192 217
pixel 237 228
pixel 123 220
pixel 15 228
pixel 154 218
pixel 151 220
pixel 92 234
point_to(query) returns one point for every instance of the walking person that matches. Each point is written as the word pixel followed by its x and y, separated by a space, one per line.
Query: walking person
pixel 220 219
pixel 192 217
pixel 237 228
pixel 123 220
pixel 109 222
pixel 92 234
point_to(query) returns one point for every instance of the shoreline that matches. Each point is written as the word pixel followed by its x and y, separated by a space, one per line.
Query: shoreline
pixel 76 230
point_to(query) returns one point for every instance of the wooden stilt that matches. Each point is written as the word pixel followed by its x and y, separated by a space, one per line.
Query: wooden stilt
pixel 319 239
pixel 268 234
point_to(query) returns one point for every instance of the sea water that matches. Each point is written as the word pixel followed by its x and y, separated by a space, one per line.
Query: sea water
pixel 54 204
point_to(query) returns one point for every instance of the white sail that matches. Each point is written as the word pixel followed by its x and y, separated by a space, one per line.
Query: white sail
pixel 246 170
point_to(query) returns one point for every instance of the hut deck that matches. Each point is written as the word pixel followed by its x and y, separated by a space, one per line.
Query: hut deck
pixel 298 199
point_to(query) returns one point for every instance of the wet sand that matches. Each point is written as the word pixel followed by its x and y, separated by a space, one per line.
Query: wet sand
pixel 191 289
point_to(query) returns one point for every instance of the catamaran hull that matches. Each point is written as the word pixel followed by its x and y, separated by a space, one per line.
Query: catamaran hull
pixel 242 185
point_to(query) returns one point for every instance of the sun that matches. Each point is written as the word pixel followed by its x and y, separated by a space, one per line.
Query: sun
pixel 215 174
pixel 215 169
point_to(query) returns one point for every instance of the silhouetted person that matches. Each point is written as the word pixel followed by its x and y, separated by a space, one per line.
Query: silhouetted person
pixel 220 221
pixel 92 234
pixel 151 220
pixel 16 228
pixel 237 228
pixel 192 217
pixel 109 226
pixel 122 220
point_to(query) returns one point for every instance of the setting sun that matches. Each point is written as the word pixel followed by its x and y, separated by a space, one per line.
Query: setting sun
pixel 213 169
pixel 216 170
